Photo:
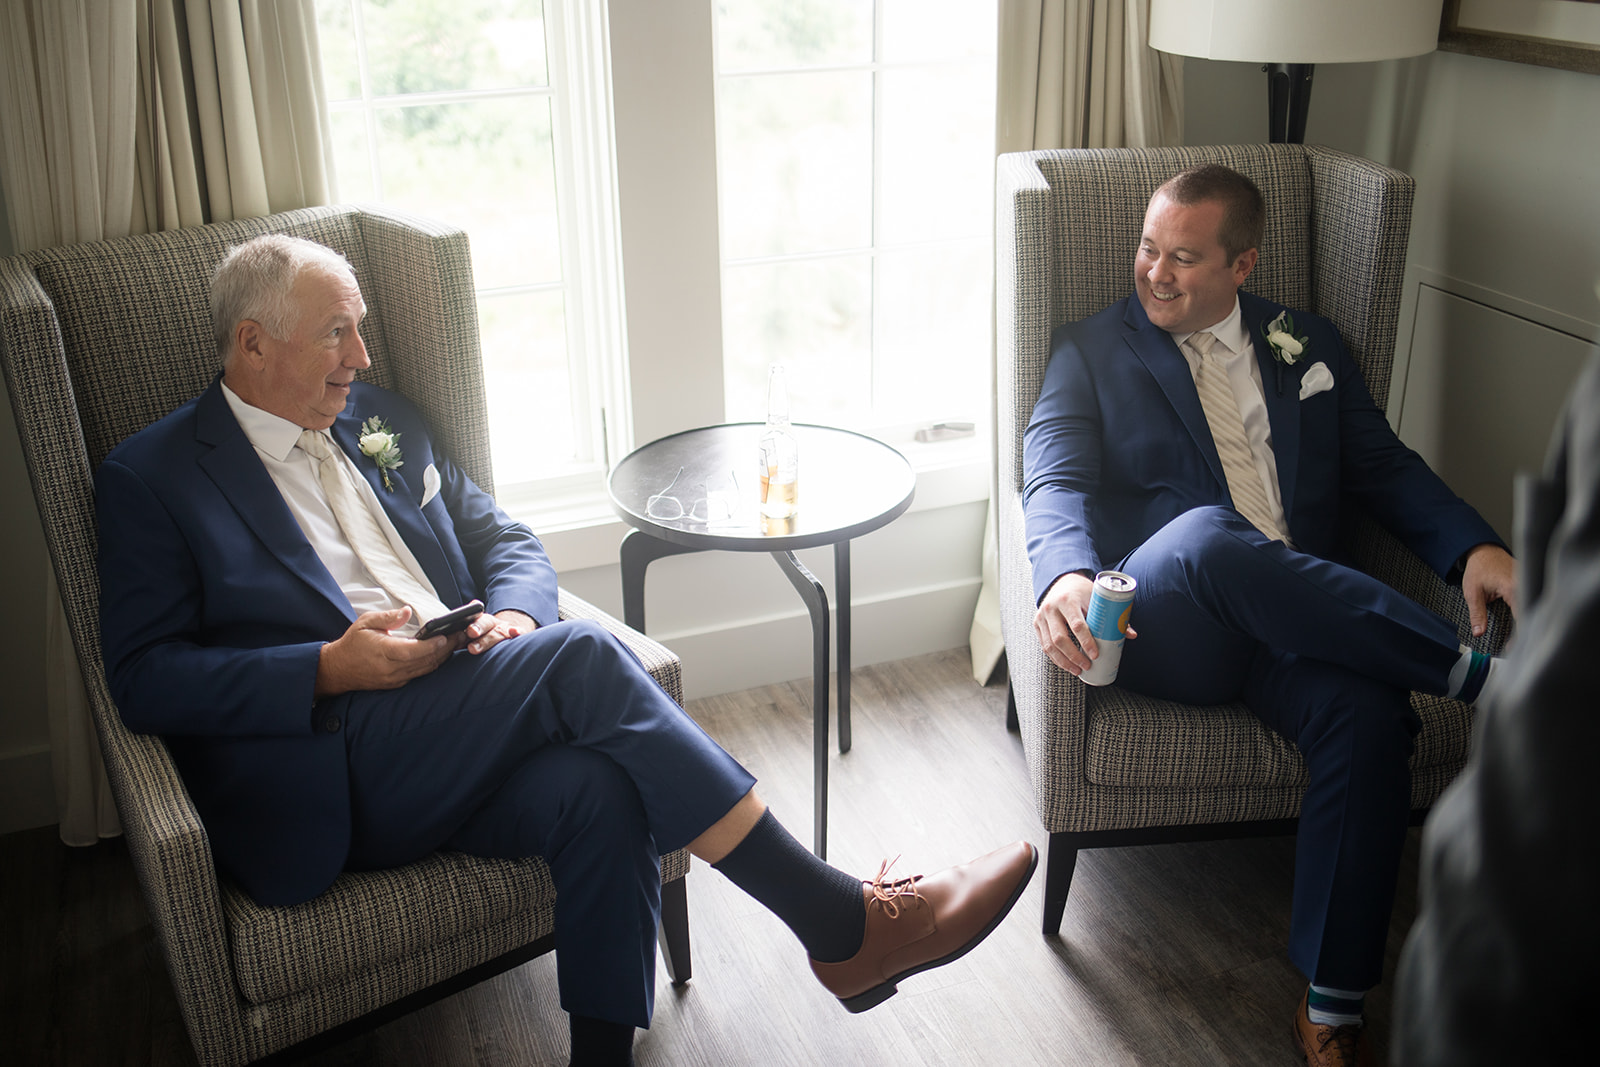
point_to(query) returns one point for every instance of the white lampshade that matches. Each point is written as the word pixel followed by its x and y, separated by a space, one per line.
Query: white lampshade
pixel 1295 31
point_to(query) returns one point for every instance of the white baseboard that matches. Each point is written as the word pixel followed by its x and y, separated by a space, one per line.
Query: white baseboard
pixel 27 790
pixel 747 653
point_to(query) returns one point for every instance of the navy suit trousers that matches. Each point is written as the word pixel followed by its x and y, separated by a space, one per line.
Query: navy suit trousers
pixel 1325 655
pixel 557 744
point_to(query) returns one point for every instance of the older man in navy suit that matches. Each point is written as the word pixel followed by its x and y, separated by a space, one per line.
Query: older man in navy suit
pixel 267 553
pixel 1211 445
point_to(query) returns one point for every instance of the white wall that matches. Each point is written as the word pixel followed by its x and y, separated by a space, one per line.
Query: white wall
pixel 1500 305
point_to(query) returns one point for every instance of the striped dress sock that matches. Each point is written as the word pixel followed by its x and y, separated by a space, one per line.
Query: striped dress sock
pixel 1469 674
pixel 1327 1006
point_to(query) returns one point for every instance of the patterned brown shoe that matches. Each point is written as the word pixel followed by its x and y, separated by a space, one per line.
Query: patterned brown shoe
pixel 1329 1046
pixel 915 924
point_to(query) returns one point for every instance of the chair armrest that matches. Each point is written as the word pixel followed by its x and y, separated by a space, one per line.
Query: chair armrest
pixel 1051 704
pixel 172 858
pixel 1382 555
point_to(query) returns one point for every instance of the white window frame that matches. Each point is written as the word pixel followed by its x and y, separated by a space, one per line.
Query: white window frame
pixel 577 58
pixel 577 50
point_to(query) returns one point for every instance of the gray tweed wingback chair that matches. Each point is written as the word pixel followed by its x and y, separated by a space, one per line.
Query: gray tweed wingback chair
pixel 98 341
pixel 1110 767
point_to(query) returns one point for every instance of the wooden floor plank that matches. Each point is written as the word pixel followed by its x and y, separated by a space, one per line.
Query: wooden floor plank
pixel 1169 954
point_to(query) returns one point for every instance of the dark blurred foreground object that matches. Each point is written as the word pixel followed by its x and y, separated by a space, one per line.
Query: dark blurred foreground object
pixel 1497 967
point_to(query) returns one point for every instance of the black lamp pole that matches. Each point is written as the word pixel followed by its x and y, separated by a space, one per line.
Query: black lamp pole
pixel 1288 100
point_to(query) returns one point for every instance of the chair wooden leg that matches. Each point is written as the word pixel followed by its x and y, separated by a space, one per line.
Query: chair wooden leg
pixel 1011 709
pixel 673 933
pixel 1060 860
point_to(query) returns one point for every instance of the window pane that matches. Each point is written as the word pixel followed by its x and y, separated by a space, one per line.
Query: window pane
pixel 352 166
pixel 937 157
pixel 485 166
pixel 857 207
pixel 918 31
pixel 444 108
pixel 796 172
pixel 336 40
pixel 812 314
pixel 931 352
pixel 529 385
pixel 420 46
pixel 780 34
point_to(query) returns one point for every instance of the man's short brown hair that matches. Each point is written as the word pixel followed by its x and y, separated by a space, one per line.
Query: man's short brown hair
pixel 1245 212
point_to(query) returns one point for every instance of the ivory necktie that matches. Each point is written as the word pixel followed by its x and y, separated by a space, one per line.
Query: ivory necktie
pixel 1227 430
pixel 366 537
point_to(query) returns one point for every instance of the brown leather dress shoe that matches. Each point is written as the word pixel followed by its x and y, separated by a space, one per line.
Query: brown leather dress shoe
pixel 1329 1046
pixel 914 924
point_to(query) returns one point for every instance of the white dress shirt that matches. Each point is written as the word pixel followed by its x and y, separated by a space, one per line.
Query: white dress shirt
pixel 1236 350
pixel 293 471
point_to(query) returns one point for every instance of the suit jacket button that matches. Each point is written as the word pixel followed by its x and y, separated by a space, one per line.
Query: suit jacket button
pixel 331 724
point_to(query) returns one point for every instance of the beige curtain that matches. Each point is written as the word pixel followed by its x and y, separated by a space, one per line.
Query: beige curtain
pixel 130 116
pixel 1072 74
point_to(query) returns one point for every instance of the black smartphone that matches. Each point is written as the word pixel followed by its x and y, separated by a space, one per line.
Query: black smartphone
pixel 451 621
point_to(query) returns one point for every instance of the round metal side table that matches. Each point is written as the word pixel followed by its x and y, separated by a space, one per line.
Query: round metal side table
pixel 696 491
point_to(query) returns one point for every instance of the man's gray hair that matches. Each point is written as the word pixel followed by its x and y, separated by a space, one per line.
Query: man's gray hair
pixel 255 281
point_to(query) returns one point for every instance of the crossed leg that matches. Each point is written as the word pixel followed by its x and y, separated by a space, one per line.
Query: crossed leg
pixel 1325 655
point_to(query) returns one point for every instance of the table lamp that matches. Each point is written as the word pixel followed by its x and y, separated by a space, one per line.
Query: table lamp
pixel 1289 37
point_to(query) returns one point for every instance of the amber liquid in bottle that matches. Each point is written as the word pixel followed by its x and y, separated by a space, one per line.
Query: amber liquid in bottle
pixel 780 454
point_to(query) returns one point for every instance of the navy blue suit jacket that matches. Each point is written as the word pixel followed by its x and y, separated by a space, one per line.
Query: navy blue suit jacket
pixel 214 609
pixel 1118 446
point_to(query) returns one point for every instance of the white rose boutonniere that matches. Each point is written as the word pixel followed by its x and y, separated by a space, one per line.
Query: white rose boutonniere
pixel 379 442
pixel 1286 347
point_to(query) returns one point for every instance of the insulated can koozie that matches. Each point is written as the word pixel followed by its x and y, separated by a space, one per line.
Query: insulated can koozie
pixel 1109 609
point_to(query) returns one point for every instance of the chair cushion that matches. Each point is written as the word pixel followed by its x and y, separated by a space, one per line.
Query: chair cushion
pixel 1139 741
pixel 350 928
pixel 490 906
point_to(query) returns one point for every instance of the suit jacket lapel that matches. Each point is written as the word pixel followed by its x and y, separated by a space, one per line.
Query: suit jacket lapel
pixel 238 473
pixel 1156 350
pixel 1283 409
pixel 399 505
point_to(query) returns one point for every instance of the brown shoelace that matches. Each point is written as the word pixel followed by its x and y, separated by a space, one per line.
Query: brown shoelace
pixel 889 893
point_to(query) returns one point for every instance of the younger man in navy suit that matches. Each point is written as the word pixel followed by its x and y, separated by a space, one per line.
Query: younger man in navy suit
pixel 1186 437
pixel 266 555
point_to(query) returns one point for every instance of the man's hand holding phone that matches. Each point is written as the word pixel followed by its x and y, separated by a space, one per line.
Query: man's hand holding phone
pixel 369 655
pixel 451 621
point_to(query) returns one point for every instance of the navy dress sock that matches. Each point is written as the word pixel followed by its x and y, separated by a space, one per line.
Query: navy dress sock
pixel 824 906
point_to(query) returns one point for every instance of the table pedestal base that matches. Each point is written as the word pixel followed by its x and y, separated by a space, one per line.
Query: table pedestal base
pixel 639 550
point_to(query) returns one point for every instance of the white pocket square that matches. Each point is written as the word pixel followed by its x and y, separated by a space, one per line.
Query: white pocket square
pixel 1317 379
pixel 430 481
